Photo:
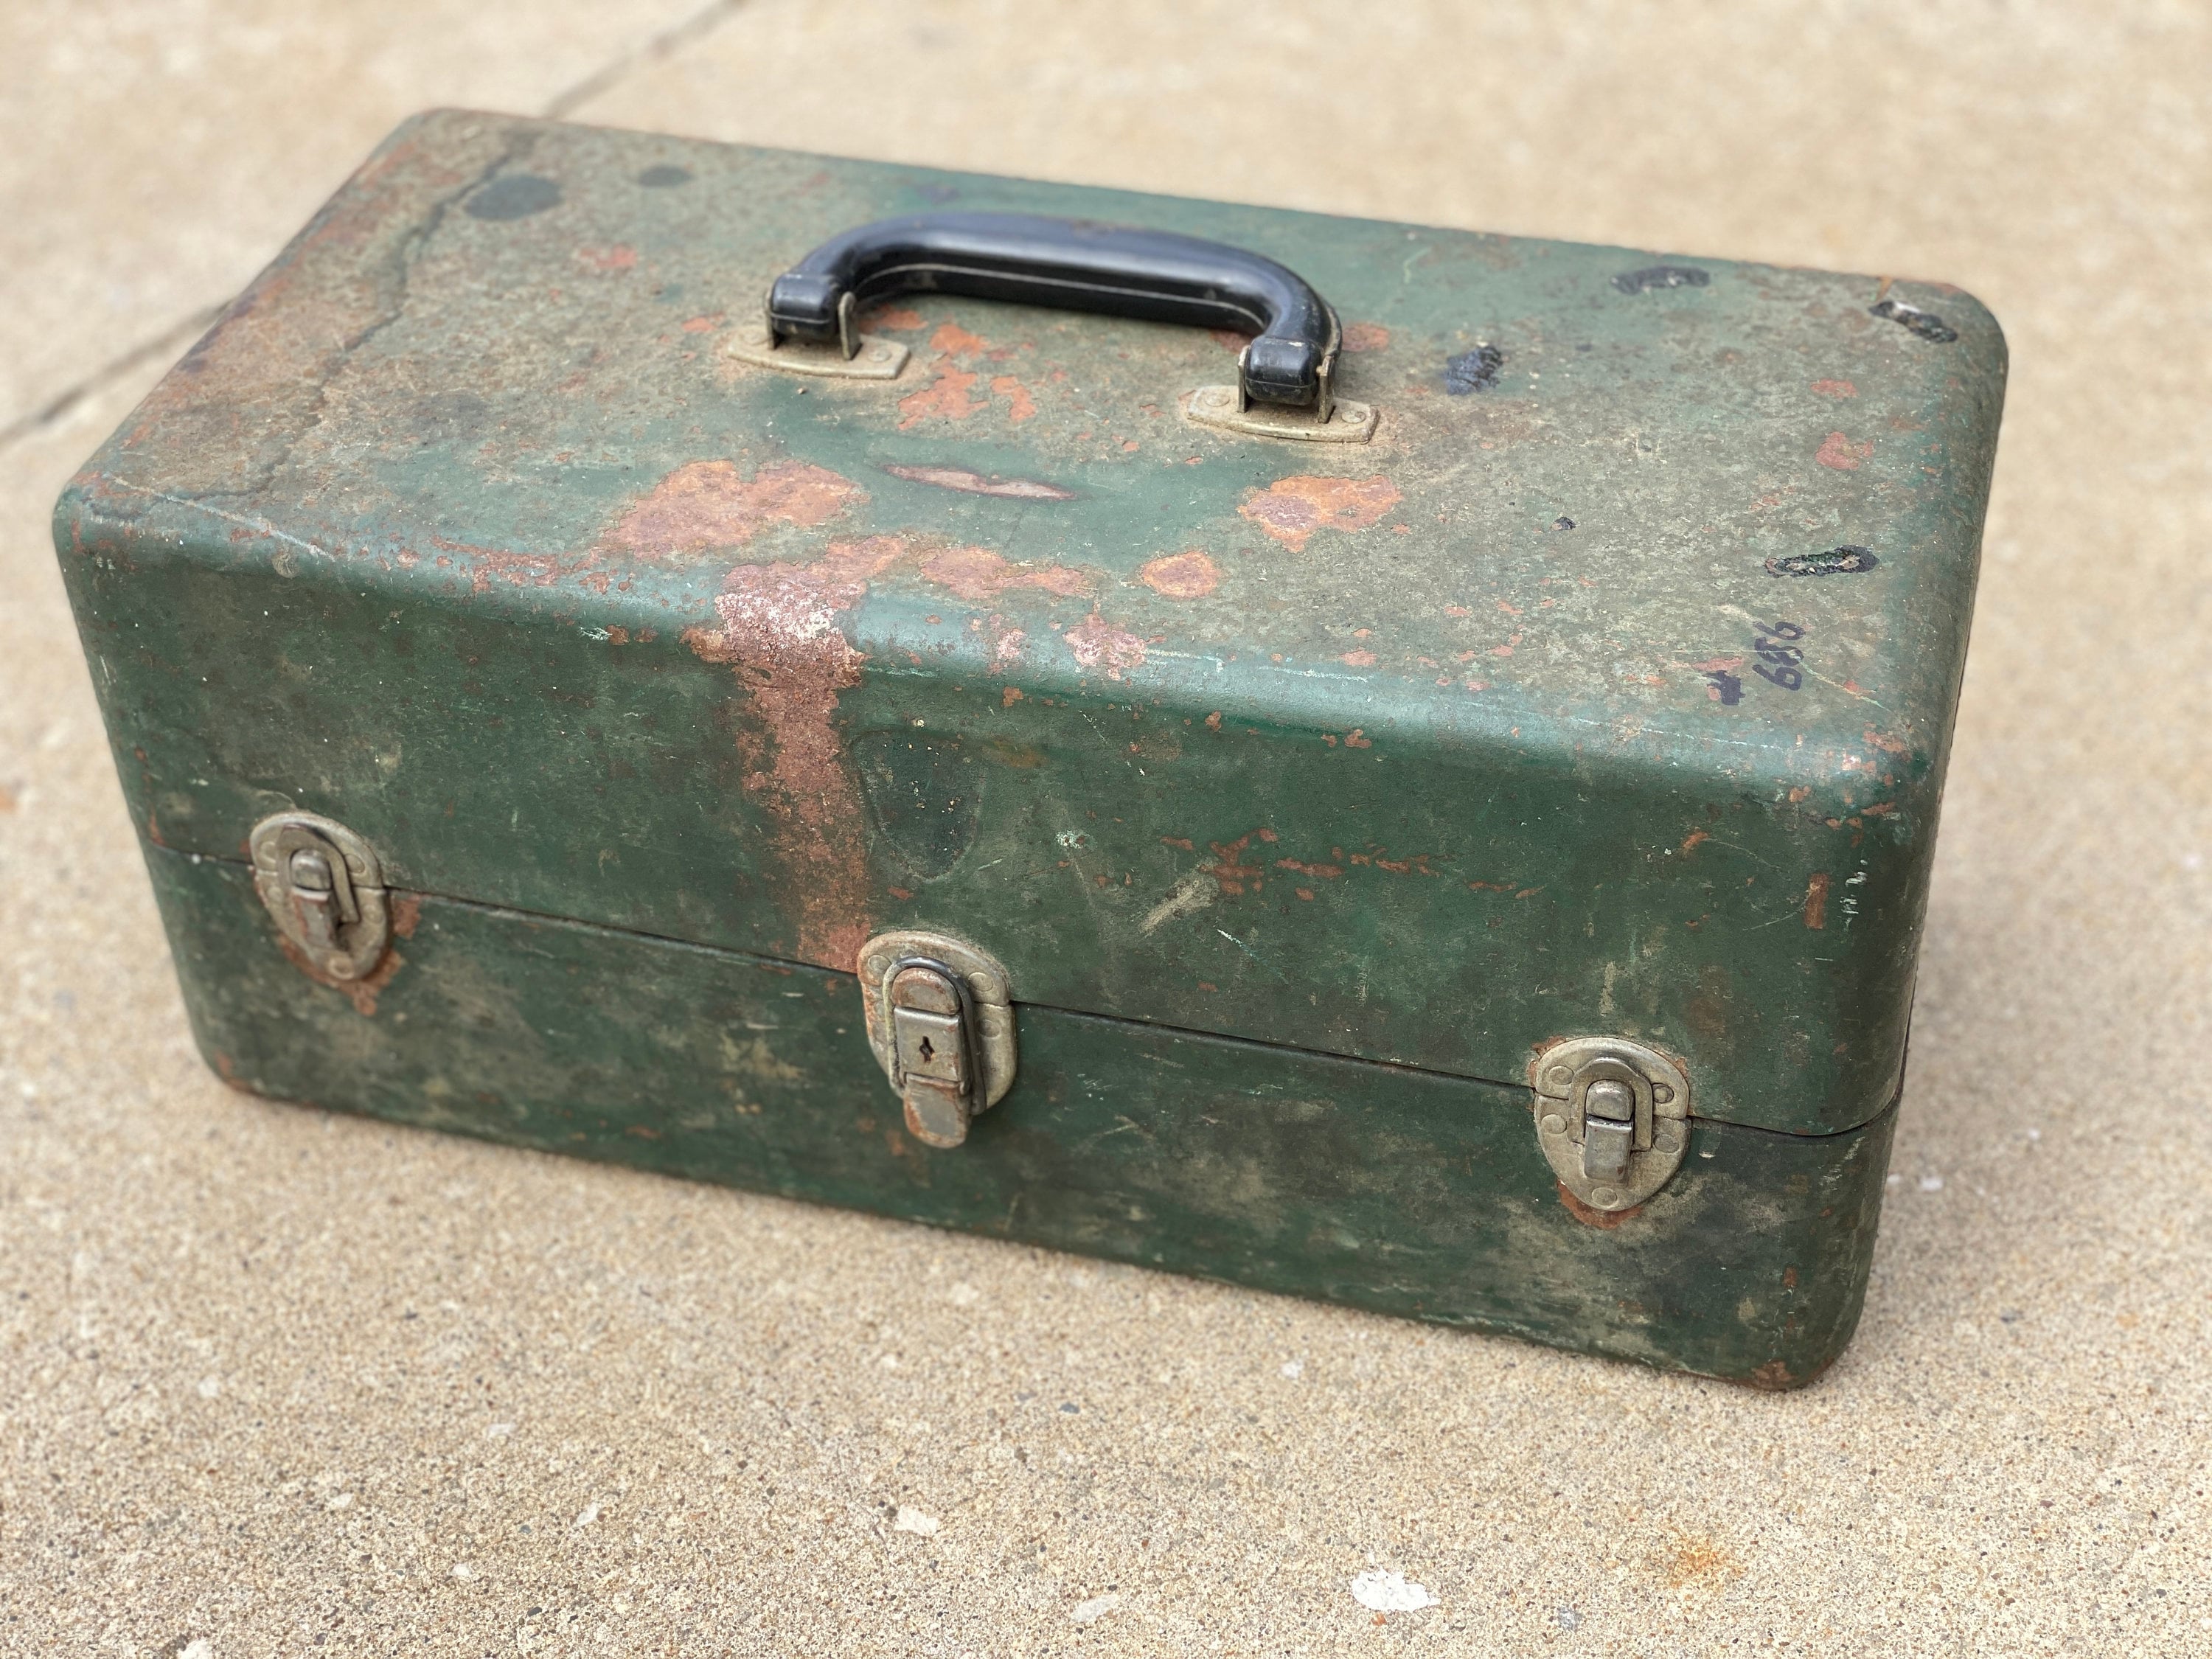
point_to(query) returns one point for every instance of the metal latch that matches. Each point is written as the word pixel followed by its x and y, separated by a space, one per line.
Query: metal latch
pixel 941 1022
pixel 324 888
pixel 1612 1118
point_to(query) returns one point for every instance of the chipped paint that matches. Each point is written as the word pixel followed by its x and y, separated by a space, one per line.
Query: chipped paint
pixel 890 319
pixel 1291 509
pixel 952 340
pixel 1838 452
pixel 945 398
pixel 778 629
pixel 1020 406
pixel 978 575
pixel 706 505
pixel 971 483
pixel 1816 901
pixel 1095 643
pixel 1190 575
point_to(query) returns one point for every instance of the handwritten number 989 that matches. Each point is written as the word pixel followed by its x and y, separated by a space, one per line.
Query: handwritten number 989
pixel 1778 661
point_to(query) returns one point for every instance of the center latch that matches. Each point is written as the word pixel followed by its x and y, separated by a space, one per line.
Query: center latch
pixel 941 1022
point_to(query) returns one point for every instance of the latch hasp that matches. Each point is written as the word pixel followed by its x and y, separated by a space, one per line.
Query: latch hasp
pixel 324 887
pixel 1612 1118
pixel 940 1019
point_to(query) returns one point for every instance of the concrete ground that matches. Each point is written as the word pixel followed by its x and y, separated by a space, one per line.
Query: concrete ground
pixel 273 1382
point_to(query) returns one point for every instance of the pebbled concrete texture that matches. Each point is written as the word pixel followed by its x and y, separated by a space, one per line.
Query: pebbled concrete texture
pixel 274 1382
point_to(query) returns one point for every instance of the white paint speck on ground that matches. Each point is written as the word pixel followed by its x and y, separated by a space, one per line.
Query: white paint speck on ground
pixel 588 1514
pixel 462 1570
pixel 1294 1368
pixel 911 1519
pixel 964 1295
pixel 500 1431
pixel 1390 1592
pixel 1931 1183
pixel 210 1387
pixel 1091 1612
pixel 343 1501
pixel 199 1648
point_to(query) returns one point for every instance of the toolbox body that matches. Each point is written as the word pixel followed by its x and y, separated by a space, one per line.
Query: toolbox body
pixel 1456 846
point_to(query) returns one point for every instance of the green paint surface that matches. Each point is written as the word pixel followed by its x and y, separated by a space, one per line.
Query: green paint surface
pixel 1407 1191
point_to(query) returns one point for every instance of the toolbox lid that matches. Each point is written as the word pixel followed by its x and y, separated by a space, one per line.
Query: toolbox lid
pixel 1603 684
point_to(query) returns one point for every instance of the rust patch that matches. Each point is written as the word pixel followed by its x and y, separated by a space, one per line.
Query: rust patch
pixel 1366 337
pixel 1603 1220
pixel 1322 872
pixel 1358 659
pixel 897 319
pixel 1774 1377
pixel 1816 901
pixel 1095 643
pixel 605 261
pixel 1690 841
pixel 1182 576
pixel 1291 509
pixel 975 484
pixel 943 398
pixel 977 574
pixel 1020 406
pixel 518 569
pixel 952 340
pixel 1840 452
pixel 709 504
pixel 778 630
pixel 1229 870
pixel 361 993
pixel 1835 389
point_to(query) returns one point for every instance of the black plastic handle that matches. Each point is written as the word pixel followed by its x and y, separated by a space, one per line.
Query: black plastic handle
pixel 1078 265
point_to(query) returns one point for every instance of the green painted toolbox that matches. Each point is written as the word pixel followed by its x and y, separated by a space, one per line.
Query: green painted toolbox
pixel 1372 761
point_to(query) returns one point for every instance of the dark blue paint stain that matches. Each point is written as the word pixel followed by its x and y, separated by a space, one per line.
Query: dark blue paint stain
pixel 1473 371
pixel 1844 560
pixel 517 196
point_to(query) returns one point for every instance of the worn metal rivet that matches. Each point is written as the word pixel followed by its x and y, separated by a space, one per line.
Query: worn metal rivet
pixel 1604 1197
pixel 1560 1074
pixel 1554 1124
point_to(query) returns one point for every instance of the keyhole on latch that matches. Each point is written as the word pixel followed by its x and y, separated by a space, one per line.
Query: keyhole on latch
pixel 928 1051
